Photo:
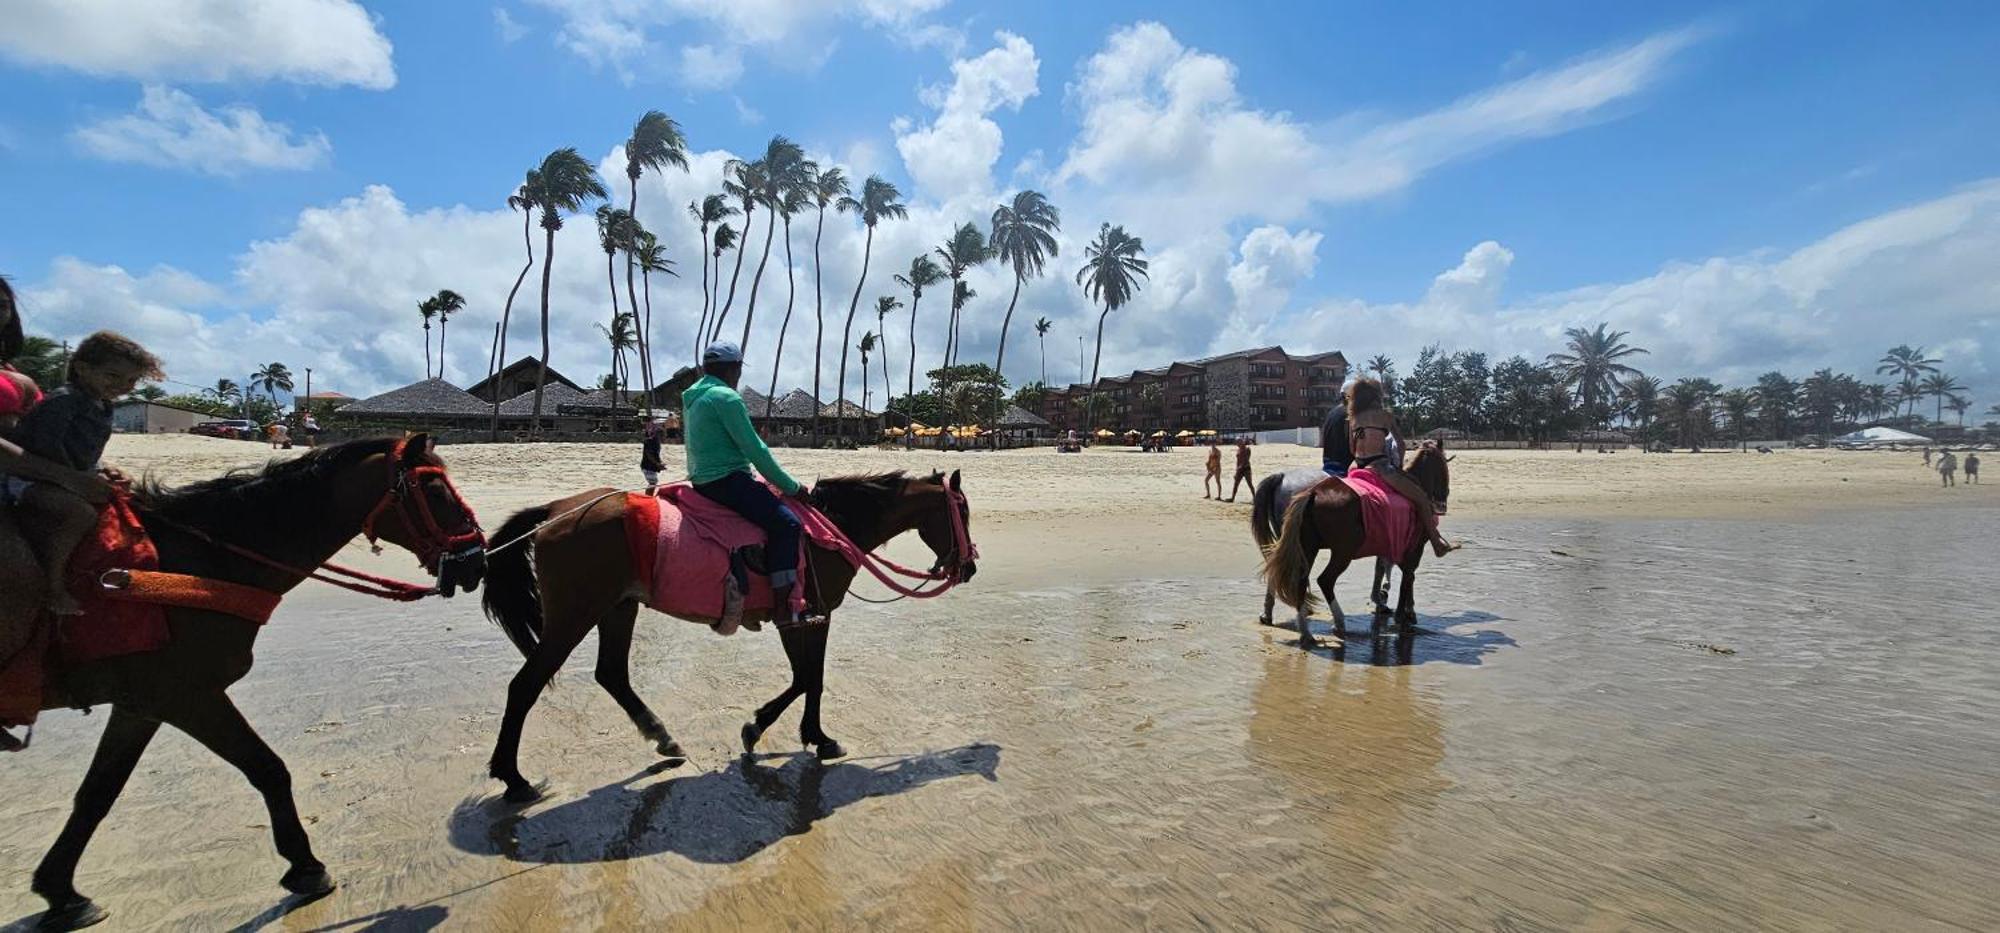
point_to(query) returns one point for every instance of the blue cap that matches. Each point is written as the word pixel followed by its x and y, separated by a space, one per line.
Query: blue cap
pixel 722 351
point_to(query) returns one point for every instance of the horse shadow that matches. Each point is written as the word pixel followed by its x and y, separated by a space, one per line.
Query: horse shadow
pixel 1431 642
pixel 715 817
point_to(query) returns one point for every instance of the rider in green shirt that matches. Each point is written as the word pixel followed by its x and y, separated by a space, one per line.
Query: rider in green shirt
pixel 723 447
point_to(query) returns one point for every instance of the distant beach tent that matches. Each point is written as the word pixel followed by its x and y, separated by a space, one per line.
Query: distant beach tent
pixel 1879 437
pixel 1206 432
pixel 1105 432
pixel 1184 433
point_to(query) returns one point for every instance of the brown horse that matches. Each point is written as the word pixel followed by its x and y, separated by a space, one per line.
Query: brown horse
pixel 1328 516
pixel 576 574
pixel 246 528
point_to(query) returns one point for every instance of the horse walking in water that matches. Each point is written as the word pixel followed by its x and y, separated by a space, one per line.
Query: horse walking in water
pixel 1267 517
pixel 245 528
pixel 576 573
pixel 1328 516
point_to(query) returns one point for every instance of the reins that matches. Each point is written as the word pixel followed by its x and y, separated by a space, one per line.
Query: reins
pixel 368 584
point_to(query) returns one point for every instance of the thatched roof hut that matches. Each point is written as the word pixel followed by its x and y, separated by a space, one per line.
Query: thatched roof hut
pixel 433 399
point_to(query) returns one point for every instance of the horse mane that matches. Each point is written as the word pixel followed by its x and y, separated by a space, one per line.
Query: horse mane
pixel 243 498
pixel 860 501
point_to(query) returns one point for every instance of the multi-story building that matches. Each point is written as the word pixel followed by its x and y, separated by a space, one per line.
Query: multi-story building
pixel 1266 389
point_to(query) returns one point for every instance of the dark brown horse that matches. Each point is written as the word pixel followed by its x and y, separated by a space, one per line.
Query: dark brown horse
pixel 577 574
pixel 296 513
pixel 1328 516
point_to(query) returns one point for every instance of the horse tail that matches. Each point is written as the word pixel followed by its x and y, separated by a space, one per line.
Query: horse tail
pixel 512 598
pixel 1264 512
pixel 1287 561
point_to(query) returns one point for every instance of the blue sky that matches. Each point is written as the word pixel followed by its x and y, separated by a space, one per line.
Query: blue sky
pixel 1404 173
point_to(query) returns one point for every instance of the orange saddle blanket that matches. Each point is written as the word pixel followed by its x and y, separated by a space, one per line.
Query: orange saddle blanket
pixel 681 545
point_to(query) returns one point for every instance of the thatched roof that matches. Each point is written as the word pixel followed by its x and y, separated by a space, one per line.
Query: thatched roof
pixel 797 405
pixel 752 400
pixel 1017 417
pixel 851 410
pixel 431 397
pixel 525 366
pixel 554 394
pixel 604 401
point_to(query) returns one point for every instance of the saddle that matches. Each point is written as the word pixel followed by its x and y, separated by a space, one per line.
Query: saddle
pixel 691 552
pixel 1388 521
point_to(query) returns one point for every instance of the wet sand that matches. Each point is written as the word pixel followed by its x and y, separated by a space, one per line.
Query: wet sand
pixel 1725 691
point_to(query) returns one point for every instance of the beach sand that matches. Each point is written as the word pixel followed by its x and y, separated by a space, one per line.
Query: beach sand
pixel 1724 690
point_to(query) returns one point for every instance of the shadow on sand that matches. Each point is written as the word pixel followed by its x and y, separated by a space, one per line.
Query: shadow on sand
pixel 713 817
pixel 1433 642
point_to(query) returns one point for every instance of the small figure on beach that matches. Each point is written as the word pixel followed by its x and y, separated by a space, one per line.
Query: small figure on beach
pixel 1242 470
pixel 68 431
pixel 1947 467
pixel 1336 452
pixel 1370 430
pixel 649 457
pixel 1927 456
pixel 310 426
pixel 1972 469
pixel 1212 472
pixel 723 446
pixel 281 436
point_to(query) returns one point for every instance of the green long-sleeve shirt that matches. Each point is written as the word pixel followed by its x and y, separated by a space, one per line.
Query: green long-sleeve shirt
pixel 720 439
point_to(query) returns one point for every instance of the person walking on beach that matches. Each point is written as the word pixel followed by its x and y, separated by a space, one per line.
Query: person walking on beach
pixel 1947 467
pixel 1242 470
pixel 281 436
pixel 722 447
pixel 649 457
pixel 1972 469
pixel 1213 472
pixel 1927 456
pixel 310 426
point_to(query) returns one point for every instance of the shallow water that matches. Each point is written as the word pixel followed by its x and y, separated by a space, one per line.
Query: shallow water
pixel 1691 725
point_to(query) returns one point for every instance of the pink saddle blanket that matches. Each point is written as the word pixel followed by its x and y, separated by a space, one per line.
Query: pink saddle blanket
pixel 681 542
pixel 1388 521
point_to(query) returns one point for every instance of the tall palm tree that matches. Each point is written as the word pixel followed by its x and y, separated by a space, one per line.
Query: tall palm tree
pixel 1875 398
pixel 1909 364
pixel 622 336
pixel 713 209
pixel 966 248
pixel 1594 366
pixel 428 310
pixel 563 183
pixel 784 169
pixel 962 294
pixel 866 346
pixel 725 239
pixel 522 201
pixel 743 181
pixel 1939 386
pixel 884 305
pixel 923 274
pixel 1959 405
pixel 269 378
pixel 448 303
pixel 1641 397
pixel 226 390
pixel 1042 331
pixel 879 201
pixel 829 186
pixel 1382 366
pixel 1110 274
pixel 652 258
pixel 1737 405
pixel 656 142
pixel 1023 238
pixel 614 230
pixel 796 198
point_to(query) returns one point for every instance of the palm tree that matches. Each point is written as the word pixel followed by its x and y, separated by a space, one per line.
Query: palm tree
pixel 829 186
pixel 1042 331
pixel 1737 405
pixel 879 201
pixel 615 229
pixel 652 258
pixel 1641 397
pixel 725 239
pixel 1959 405
pixel 226 390
pixel 1593 366
pixel 1110 264
pixel 866 346
pixel 427 309
pixel 522 201
pixel 656 142
pixel 1940 385
pixel 743 181
pixel 784 169
pixel 1687 404
pixel 713 209
pixel 1023 238
pixel 923 274
pixel 966 248
pixel 269 378
pixel 563 183
pixel 1875 398
pixel 44 361
pixel 448 303
pixel 1910 364
pixel 883 306
pixel 1382 366
pixel 622 337
pixel 796 198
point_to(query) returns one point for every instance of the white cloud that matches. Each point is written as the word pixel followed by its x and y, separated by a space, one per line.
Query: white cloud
pixel 511 31
pixel 171 129
pixel 708 67
pixel 323 42
pixel 955 153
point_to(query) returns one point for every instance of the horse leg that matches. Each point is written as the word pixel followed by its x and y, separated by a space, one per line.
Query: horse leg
pixel 614 674
pixel 1379 591
pixel 214 721
pixel 1406 600
pixel 1270 599
pixel 1327 578
pixel 805 646
pixel 560 635
pixel 118 750
pixel 1303 621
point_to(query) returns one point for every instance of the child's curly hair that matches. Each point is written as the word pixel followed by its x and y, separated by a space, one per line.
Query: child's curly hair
pixel 106 346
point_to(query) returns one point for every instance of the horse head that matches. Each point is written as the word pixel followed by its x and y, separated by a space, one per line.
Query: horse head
pixel 420 511
pixel 1432 471
pixel 946 525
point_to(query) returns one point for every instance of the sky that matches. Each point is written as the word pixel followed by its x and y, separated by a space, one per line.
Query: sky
pixel 1741 187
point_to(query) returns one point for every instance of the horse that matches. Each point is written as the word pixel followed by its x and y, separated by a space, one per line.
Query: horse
pixel 266 529
pixel 1267 516
pixel 1329 516
pixel 575 573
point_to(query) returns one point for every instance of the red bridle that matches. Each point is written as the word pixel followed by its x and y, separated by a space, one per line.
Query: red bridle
pixel 431 542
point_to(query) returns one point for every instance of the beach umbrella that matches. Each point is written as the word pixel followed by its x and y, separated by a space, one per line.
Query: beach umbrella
pixel 1185 433
pixel 1104 432
pixel 892 432
pixel 1159 434
pixel 1133 433
pixel 1205 432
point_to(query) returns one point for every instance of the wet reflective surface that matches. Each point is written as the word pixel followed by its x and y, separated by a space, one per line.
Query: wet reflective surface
pixel 1681 724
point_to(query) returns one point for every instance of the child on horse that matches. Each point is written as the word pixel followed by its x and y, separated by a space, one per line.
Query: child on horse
pixel 69 429
pixel 1369 429
pixel 722 447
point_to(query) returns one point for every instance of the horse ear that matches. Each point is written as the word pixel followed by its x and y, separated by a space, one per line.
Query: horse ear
pixel 954 480
pixel 416 446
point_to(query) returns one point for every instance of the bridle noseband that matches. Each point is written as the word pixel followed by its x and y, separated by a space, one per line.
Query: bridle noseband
pixel 963 549
pixel 433 545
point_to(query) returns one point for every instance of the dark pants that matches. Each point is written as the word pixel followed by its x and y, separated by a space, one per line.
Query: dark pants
pixel 746 496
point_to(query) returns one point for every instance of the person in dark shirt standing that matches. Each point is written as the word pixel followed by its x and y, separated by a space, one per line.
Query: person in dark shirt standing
pixel 1242 470
pixel 1336 451
pixel 70 429
pixel 649 457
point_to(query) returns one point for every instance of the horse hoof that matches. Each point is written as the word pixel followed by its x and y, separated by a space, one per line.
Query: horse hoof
pixel 522 793
pixel 750 736
pixel 830 750
pixel 1263 620
pixel 310 881
pixel 668 748
pixel 72 915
